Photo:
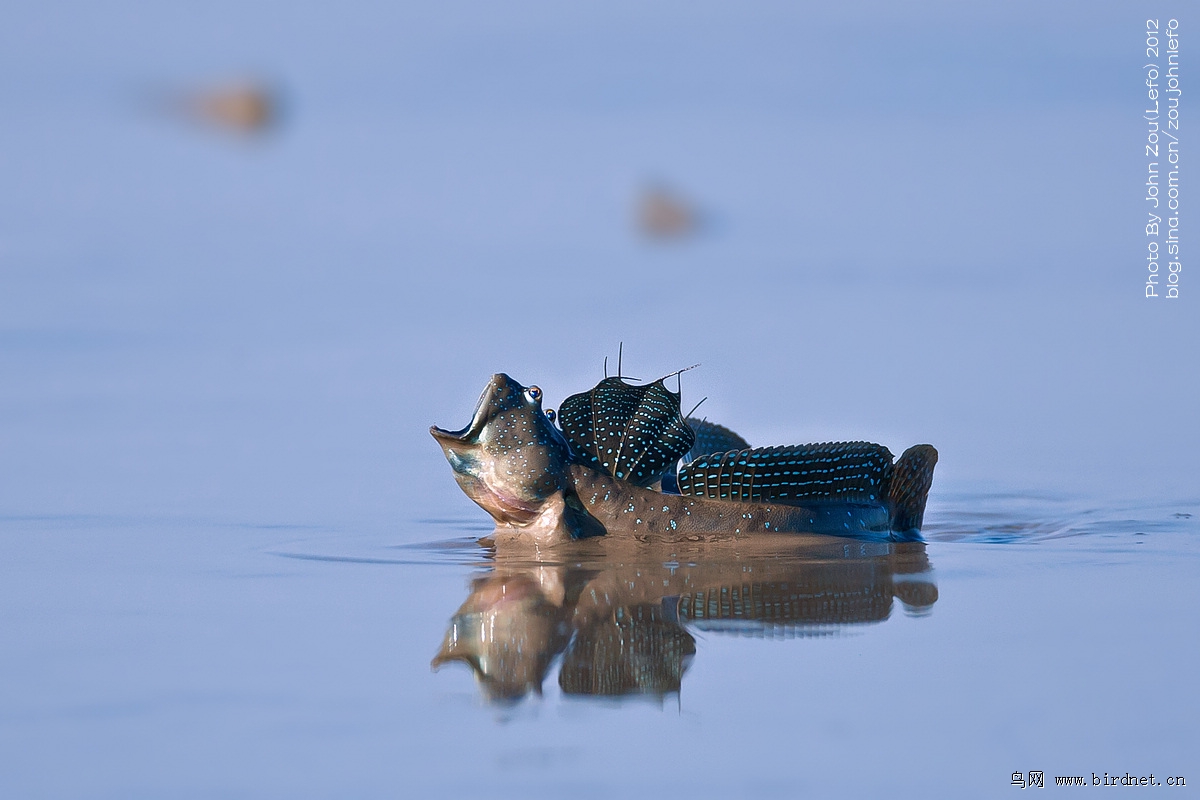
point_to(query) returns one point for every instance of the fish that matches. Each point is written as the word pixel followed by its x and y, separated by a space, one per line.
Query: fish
pixel 519 467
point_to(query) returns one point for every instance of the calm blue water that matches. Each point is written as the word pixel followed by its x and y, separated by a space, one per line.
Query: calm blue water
pixel 160 656
pixel 229 550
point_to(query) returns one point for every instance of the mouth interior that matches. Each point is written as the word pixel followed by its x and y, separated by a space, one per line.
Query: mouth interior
pixel 475 426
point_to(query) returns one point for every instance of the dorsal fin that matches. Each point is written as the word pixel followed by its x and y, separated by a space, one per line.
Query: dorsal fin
pixel 628 431
pixel 842 471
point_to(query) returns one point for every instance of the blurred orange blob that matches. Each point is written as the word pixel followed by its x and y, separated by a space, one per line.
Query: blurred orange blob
pixel 247 107
pixel 663 214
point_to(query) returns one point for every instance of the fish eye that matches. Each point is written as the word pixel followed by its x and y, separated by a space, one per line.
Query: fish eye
pixel 550 415
pixel 535 394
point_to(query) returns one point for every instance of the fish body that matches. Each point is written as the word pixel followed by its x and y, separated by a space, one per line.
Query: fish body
pixel 620 506
pixel 514 462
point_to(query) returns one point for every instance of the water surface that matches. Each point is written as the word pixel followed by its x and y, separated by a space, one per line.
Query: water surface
pixel 173 657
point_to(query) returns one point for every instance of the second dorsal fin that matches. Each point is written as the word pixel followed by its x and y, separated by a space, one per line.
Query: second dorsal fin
pixel 712 438
pixel 854 472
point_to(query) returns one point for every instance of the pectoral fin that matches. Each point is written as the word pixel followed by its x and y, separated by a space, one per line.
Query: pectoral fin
pixel 577 521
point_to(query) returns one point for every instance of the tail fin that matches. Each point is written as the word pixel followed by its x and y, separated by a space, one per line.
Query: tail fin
pixel 911 479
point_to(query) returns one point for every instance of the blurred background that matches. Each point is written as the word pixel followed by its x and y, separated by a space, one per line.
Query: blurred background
pixel 249 252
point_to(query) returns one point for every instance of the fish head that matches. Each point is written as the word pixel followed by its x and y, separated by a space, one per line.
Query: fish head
pixel 510 459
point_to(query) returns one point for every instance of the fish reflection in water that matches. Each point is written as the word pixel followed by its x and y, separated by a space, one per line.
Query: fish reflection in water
pixel 622 619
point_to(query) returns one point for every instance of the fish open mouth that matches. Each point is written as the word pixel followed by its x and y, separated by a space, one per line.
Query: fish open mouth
pixel 449 437
pixel 478 419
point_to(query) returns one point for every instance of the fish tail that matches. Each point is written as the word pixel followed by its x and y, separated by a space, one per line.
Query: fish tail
pixel 911 479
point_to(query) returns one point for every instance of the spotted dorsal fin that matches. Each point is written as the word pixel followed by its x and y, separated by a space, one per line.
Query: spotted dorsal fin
pixel 852 472
pixel 630 432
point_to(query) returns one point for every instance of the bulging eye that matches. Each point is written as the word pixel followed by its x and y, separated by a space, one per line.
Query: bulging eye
pixel 535 394
pixel 550 415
